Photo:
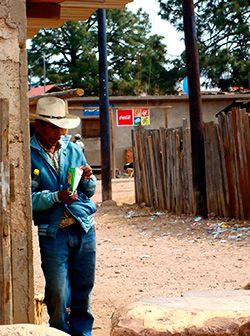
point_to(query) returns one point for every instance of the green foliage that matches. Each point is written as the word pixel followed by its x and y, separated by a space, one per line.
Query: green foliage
pixel 136 60
pixel 223 36
pixel 70 55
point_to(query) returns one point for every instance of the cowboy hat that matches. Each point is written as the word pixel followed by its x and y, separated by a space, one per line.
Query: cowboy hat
pixel 77 136
pixel 54 110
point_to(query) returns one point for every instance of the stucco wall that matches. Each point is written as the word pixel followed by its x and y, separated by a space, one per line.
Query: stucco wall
pixel 13 87
pixel 210 106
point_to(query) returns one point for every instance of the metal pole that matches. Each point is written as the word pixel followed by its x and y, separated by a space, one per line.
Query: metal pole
pixel 104 108
pixel 195 113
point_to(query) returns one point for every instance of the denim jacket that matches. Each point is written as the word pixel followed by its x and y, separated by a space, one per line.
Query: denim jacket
pixel 46 182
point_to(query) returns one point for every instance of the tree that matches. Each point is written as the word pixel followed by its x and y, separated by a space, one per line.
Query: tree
pixel 223 35
pixel 137 60
pixel 70 55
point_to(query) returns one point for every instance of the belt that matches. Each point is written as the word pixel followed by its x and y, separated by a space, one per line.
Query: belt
pixel 67 221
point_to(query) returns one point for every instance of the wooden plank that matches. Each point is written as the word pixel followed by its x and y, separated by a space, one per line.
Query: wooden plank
pixel 176 170
pixel 242 163
pixel 171 168
pixel 6 300
pixel 212 166
pixel 147 168
pixel 70 11
pixel 168 177
pixel 246 135
pixel 160 172
pixel 142 165
pixel 159 168
pixel 207 151
pixel 227 163
pixel 179 177
pixel 185 172
pixel 43 10
pixel 223 176
pixel 170 171
pixel 137 172
pixel 136 167
pixel 189 199
pixel 239 158
pixel 218 175
pixel 143 168
pixel 226 133
pixel 236 162
pixel 152 176
pixel 164 164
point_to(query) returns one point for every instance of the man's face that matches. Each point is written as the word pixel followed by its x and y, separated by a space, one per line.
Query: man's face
pixel 48 134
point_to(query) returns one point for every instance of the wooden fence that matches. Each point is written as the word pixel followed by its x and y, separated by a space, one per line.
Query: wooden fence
pixel 163 168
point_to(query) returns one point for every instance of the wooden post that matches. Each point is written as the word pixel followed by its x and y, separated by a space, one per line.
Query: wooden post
pixel 5 248
pixel 196 123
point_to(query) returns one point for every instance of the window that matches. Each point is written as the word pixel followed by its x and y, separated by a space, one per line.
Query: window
pixel 91 127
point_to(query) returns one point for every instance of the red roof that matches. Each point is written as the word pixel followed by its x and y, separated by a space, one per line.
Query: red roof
pixel 39 90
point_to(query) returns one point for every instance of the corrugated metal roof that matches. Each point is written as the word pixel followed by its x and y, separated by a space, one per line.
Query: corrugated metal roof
pixel 40 90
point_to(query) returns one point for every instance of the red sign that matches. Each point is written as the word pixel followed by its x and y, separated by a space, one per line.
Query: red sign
pixel 145 112
pixel 124 117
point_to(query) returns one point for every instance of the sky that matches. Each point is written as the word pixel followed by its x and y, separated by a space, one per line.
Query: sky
pixel 159 26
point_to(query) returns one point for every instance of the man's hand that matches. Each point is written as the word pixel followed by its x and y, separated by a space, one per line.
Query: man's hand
pixel 87 172
pixel 67 197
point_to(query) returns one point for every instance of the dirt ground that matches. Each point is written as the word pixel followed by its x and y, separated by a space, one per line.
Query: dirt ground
pixel 143 253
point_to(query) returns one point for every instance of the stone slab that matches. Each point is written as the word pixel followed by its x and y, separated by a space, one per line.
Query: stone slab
pixel 29 330
pixel 207 313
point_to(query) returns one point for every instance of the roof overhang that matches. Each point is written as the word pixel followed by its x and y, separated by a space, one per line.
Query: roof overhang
pixel 53 13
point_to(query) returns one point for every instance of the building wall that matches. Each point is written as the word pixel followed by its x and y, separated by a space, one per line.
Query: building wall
pixel 180 110
pixel 13 88
pixel 167 110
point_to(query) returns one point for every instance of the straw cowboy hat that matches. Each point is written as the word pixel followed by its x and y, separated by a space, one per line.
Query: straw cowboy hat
pixel 55 111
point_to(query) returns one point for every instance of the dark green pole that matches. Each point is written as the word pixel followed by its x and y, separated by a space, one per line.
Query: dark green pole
pixel 104 108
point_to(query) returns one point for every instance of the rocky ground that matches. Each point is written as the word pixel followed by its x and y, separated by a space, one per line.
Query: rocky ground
pixel 143 253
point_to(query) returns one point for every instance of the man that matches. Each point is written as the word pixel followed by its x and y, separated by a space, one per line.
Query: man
pixel 64 218
pixel 79 142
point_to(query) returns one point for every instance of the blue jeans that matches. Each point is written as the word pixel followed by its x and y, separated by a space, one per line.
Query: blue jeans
pixel 68 264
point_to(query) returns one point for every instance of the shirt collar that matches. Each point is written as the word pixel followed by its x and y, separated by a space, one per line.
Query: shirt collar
pixel 57 147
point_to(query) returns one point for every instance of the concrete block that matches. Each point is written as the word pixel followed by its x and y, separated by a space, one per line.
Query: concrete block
pixel 29 330
pixel 208 313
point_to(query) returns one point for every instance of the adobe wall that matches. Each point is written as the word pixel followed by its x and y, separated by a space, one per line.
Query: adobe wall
pixel 13 87
pixel 210 106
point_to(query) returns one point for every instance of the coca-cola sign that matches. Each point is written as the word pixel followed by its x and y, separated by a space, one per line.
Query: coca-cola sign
pixel 133 117
pixel 125 117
